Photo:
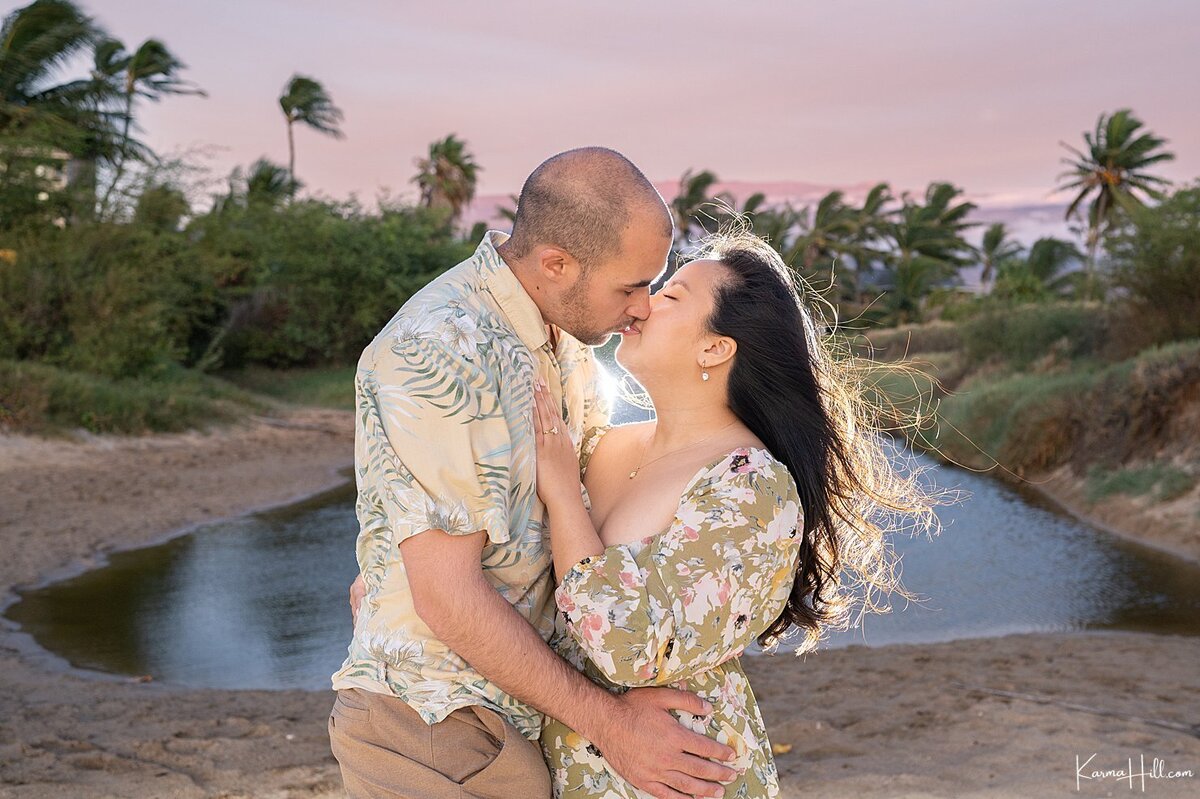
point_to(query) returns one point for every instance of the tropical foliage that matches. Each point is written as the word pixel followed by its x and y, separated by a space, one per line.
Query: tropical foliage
pixel 56 134
pixel 996 248
pixel 902 249
pixel 1047 270
pixel 114 266
pixel 447 176
pixel 150 72
pixel 305 101
pixel 1111 173
pixel 1156 263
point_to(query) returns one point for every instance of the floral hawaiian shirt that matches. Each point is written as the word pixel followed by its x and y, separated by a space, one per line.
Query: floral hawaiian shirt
pixel 678 608
pixel 444 440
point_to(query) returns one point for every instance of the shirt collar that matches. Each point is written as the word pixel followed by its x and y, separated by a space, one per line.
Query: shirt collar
pixel 522 312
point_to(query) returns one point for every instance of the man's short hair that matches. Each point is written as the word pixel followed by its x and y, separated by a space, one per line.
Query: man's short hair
pixel 582 200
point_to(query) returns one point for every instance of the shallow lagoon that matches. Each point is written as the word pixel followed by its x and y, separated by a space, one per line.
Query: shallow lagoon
pixel 260 602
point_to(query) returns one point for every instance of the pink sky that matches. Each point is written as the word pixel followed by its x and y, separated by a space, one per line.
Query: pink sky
pixel 827 93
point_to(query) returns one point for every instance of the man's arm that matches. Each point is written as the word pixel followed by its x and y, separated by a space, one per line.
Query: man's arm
pixel 639 738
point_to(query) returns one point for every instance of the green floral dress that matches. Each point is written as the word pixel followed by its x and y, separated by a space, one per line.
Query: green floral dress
pixel 677 609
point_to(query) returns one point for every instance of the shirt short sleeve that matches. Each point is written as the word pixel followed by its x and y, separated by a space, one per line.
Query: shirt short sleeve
pixel 436 440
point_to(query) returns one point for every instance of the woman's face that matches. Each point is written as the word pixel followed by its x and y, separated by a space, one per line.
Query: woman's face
pixel 669 343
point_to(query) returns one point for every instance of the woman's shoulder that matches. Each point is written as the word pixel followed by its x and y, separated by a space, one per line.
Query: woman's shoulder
pixel 750 465
pixel 617 435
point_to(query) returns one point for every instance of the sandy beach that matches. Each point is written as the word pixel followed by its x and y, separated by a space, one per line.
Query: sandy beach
pixel 996 717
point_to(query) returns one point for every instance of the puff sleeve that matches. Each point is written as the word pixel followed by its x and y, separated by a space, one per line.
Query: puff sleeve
pixel 698 593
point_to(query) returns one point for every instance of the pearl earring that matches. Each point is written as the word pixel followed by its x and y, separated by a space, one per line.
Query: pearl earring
pixel 704 374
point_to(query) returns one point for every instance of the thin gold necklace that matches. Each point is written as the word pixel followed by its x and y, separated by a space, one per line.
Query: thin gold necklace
pixel 641 466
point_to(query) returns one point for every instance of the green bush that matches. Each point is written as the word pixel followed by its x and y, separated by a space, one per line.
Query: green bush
pixel 1023 334
pixel 1091 414
pixel 328 387
pixel 1168 482
pixel 1156 262
pixel 40 398
pixel 312 282
pixel 891 343
pixel 299 285
pixel 112 300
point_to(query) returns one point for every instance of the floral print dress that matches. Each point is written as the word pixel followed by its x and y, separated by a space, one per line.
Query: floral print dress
pixel 677 609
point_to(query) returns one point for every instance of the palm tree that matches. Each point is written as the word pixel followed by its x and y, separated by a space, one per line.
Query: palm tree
pixel 509 212
pixel 927 246
pixel 268 184
pixel 1049 261
pixel 36 41
pixel 151 72
pixel 1045 270
pixel 695 189
pixel 833 225
pixel 867 244
pixel 305 100
pixel 995 248
pixel 264 185
pixel 44 122
pixel 1112 174
pixel 447 176
pixel 779 226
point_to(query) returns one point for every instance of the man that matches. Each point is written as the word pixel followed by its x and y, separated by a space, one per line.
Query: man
pixel 449 673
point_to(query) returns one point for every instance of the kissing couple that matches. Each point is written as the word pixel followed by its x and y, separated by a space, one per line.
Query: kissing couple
pixel 553 605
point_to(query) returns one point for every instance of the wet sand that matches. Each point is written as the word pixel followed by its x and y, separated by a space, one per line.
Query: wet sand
pixel 897 721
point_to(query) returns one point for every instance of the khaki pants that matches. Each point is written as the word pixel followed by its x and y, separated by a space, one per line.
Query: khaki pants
pixel 387 751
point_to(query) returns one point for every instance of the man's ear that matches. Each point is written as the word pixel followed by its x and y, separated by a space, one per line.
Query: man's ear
pixel 718 351
pixel 555 264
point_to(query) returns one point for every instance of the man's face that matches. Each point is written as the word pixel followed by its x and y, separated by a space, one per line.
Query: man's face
pixel 611 296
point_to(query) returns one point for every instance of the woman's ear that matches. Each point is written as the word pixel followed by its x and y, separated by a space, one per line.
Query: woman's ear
pixel 718 351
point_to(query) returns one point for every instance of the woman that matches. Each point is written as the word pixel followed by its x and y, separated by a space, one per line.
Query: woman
pixel 731 517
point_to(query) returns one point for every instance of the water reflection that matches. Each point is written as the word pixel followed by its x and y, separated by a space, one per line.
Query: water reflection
pixel 261 602
pixel 256 603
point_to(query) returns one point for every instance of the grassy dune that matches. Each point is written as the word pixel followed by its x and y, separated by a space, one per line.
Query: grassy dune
pixel 1049 391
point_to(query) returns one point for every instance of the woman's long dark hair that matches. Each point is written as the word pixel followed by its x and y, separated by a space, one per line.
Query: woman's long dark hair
pixel 810 409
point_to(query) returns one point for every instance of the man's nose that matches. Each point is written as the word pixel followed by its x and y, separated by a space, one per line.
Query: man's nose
pixel 641 309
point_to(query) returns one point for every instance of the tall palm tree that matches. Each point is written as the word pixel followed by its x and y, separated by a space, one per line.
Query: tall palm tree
pixel 305 100
pixel 150 72
pixel 996 248
pixel 1111 173
pixel 447 176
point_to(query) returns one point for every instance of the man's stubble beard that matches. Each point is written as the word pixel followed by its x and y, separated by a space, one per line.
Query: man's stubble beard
pixel 575 316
